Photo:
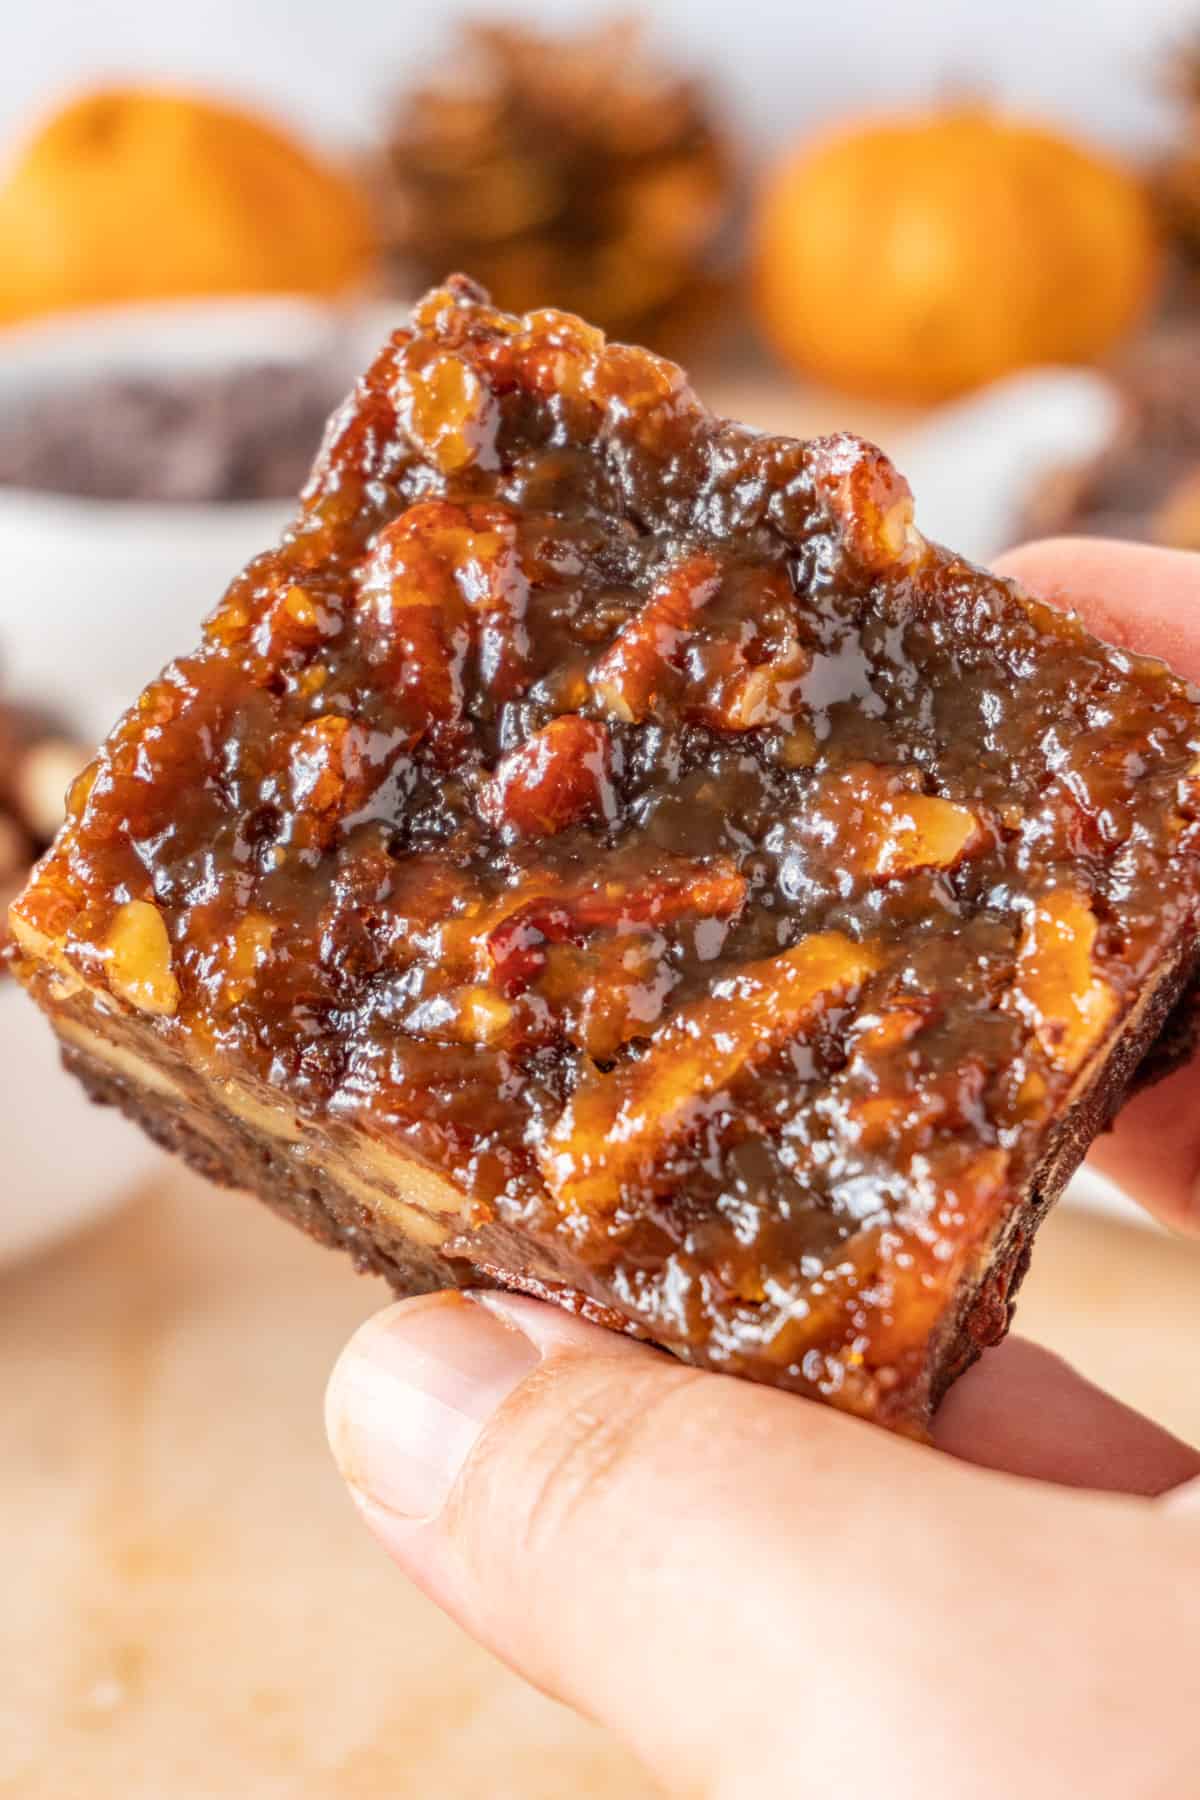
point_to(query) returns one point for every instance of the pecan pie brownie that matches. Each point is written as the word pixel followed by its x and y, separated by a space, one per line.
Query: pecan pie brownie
pixel 608 853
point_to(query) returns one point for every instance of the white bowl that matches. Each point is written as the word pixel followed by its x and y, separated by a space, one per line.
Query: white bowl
pixel 98 594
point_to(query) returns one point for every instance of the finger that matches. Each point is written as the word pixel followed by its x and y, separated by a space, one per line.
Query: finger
pixel 1147 600
pixel 1153 1150
pixel 1025 1410
pixel 1132 595
pixel 649 1543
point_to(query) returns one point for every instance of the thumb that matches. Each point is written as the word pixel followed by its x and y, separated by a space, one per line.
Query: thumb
pixel 699 1563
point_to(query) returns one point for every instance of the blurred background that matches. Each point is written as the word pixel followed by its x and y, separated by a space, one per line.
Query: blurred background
pixel 971 233
pixel 1079 62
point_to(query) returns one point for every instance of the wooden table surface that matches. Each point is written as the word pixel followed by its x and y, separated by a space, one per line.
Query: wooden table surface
pixel 189 1608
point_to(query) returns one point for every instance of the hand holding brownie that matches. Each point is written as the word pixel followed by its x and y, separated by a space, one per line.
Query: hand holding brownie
pixel 755 1593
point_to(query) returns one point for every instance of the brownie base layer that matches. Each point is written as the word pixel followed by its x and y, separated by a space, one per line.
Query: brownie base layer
pixel 1177 1042
pixel 225 1148
pixel 223 1151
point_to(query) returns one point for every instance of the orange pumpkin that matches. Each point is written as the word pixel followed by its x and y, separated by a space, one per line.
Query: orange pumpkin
pixel 913 258
pixel 140 194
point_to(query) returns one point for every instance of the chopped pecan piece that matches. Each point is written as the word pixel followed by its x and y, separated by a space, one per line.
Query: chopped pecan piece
pixel 878 824
pixel 629 677
pixel 137 956
pixel 555 778
pixel 517 944
pixel 919 831
pixel 449 410
pixel 618 1126
pixel 330 776
pixel 439 579
pixel 871 499
pixel 1057 988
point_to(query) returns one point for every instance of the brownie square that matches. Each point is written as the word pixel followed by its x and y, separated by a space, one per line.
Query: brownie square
pixel 609 853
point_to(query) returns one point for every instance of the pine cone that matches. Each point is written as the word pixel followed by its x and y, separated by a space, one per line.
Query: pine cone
pixel 1176 177
pixel 559 171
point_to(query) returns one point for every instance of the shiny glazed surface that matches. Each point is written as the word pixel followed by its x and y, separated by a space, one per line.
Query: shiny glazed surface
pixel 635 820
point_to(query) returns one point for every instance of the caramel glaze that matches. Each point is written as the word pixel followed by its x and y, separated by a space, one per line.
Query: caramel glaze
pixel 632 818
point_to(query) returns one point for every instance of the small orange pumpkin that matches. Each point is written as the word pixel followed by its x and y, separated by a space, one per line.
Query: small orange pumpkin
pixel 141 194
pixel 912 258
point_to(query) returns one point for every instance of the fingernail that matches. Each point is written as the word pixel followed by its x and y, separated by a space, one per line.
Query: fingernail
pixel 412 1392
